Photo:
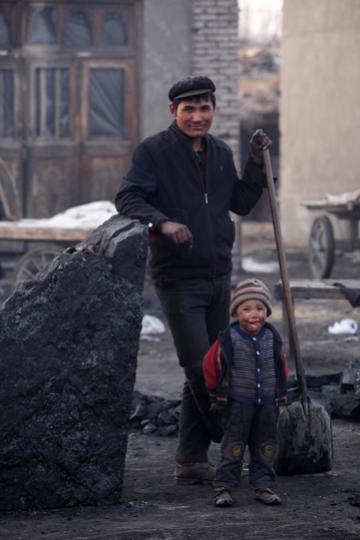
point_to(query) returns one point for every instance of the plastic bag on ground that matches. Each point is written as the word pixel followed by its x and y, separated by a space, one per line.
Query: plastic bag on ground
pixel 151 326
pixel 345 326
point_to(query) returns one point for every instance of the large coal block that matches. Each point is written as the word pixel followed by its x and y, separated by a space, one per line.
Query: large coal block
pixel 69 342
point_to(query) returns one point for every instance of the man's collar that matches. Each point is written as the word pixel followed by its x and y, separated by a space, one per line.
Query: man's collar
pixel 175 127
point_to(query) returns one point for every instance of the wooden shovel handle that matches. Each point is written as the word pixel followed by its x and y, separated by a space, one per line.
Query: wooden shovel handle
pixel 289 307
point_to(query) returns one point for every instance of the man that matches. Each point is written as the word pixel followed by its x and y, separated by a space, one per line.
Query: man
pixel 183 183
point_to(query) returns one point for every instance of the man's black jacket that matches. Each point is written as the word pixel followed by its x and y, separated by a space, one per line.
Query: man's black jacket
pixel 166 182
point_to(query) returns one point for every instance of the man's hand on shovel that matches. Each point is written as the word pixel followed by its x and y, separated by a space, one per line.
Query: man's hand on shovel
pixel 258 143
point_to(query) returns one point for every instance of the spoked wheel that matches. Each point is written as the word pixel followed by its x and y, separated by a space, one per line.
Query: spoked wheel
pixel 34 261
pixel 321 248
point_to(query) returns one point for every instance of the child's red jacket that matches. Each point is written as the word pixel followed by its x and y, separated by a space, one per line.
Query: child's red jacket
pixel 219 358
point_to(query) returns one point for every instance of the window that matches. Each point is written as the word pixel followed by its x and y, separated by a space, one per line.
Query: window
pixel 4 30
pixel 42 27
pixel 7 103
pixel 114 31
pixel 77 29
pixel 106 102
pixel 52 102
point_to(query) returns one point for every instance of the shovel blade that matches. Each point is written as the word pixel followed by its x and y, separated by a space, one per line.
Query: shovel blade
pixel 304 440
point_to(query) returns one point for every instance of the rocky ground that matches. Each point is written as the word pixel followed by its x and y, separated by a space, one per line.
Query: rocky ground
pixel 323 506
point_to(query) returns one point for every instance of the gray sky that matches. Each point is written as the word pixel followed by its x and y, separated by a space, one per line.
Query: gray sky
pixel 260 20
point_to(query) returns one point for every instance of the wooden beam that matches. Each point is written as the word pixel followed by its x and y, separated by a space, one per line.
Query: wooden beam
pixel 28 229
pixel 319 288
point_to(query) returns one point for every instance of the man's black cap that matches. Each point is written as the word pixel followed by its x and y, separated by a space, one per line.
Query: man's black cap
pixel 191 86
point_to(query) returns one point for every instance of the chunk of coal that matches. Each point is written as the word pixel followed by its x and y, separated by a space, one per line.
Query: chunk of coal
pixel 69 342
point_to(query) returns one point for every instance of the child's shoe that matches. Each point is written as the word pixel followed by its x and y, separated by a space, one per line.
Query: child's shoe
pixel 267 496
pixel 223 498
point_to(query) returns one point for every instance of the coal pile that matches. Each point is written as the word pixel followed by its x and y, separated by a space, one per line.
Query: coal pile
pixel 339 393
pixel 344 398
pixel 156 415
pixel 335 391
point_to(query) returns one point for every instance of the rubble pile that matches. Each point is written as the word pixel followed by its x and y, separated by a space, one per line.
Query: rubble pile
pixel 338 392
pixel 69 343
pixel 152 414
pixel 344 398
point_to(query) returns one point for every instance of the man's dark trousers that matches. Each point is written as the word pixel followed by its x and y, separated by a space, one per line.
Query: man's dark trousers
pixel 196 310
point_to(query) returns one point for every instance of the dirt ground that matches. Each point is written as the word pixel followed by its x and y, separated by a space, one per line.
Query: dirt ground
pixel 324 506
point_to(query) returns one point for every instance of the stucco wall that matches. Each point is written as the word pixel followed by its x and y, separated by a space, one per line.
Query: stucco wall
pixel 166 57
pixel 320 113
pixel 190 37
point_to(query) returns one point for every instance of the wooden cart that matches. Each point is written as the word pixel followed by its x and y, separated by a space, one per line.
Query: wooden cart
pixel 43 239
pixel 322 244
pixel 312 290
pixel 42 244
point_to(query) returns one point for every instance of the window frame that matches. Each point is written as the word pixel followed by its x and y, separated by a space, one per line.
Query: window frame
pixel 6 11
pixel 88 13
pixel 129 95
pixel 14 67
pixel 96 15
pixel 122 105
pixel 29 11
pixel 12 19
pixel 45 139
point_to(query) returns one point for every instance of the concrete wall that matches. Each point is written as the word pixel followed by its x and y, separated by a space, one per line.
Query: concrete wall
pixel 320 113
pixel 190 37
pixel 166 57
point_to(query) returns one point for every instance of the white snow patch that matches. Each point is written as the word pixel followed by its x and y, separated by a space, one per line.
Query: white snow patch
pixel 249 264
pixel 86 216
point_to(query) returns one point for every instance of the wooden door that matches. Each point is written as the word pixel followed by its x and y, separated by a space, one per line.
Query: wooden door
pixel 108 124
pixel 51 145
pixel 11 115
pixel 75 111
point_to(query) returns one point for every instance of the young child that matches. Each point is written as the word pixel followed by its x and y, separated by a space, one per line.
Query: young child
pixel 245 373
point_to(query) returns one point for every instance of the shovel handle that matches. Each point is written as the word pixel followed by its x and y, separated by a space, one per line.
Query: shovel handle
pixel 289 307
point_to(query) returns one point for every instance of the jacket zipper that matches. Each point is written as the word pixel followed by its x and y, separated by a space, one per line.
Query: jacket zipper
pixel 204 185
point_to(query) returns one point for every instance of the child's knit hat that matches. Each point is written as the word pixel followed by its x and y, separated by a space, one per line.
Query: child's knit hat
pixel 250 289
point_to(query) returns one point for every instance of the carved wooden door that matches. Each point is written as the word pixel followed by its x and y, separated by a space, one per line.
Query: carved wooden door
pixel 11 116
pixel 75 96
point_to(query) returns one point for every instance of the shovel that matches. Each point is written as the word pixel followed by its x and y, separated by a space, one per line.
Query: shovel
pixel 304 427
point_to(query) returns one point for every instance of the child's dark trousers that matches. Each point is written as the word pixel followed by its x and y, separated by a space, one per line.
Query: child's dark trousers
pixel 255 426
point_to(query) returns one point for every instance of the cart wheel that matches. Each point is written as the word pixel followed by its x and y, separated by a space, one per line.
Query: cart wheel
pixel 321 248
pixel 34 261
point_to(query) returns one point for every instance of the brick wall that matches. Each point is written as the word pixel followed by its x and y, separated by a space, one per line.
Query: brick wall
pixel 215 54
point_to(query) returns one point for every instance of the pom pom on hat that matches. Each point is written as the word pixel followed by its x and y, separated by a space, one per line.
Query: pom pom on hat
pixel 250 289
